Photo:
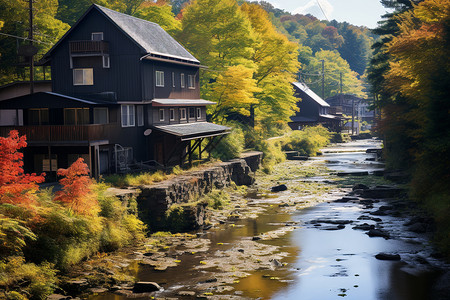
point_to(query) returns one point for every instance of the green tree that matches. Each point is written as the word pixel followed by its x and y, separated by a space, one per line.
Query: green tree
pixel 160 13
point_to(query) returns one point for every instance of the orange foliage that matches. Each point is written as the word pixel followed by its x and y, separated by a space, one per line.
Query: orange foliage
pixel 77 189
pixel 16 187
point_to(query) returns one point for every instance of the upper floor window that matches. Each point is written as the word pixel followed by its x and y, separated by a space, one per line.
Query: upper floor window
pixel 199 113
pixel 127 112
pixel 173 79
pixel 191 82
pixel 161 114
pixel 182 113
pixel 83 76
pixel 76 116
pixel 182 80
pixel 172 114
pixel 106 62
pixel 97 36
pixel 101 115
pixel 140 115
pixel 191 112
pixel 160 78
pixel 38 116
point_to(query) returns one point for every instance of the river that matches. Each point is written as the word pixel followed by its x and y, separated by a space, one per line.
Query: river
pixel 313 259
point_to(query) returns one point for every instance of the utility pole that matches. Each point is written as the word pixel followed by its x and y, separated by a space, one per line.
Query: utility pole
pixel 323 79
pixel 30 36
pixel 353 116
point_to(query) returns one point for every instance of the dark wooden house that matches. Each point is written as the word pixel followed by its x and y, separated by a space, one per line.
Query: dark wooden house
pixel 313 110
pixel 124 93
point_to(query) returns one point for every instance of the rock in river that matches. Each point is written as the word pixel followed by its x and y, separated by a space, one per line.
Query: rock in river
pixel 279 188
pixel 387 256
pixel 379 233
pixel 146 287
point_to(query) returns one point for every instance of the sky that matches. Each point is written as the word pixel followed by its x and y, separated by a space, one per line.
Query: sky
pixel 356 12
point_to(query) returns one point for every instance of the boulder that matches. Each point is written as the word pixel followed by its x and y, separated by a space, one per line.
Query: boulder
pixel 378 233
pixel 146 287
pixel 279 188
pixel 418 228
pixel 387 256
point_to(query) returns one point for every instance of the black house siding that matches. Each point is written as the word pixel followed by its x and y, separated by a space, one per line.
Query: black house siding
pixel 123 75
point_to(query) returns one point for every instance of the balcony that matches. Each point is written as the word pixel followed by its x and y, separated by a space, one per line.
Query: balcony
pixel 88 47
pixel 47 134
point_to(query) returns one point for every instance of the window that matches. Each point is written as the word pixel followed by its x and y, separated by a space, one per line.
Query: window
pixel 160 78
pixel 97 36
pixel 161 114
pixel 106 62
pixel 101 115
pixel 191 82
pixel 83 76
pixel 172 114
pixel 173 79
pixel 182 113
pixel 11 117
pixel 140 115
pixel 182 80
pixel 127 112
pixel 38 116
pixel 76 116
pixel 191 112
pixel 199 113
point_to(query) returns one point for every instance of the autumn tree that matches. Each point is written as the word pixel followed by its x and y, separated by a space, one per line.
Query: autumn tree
pixel 160 13
pixel 276 61
pixel 77 191
pixel 16 187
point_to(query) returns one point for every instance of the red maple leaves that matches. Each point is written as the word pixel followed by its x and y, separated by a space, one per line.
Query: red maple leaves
pixel 16 187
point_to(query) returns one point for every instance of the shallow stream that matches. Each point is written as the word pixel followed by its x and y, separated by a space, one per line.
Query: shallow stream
pixel 318 261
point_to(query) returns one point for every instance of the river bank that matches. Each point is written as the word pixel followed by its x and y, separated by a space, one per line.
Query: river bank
pixel 285 245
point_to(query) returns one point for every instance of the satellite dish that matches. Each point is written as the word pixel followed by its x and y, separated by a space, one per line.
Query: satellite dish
pixel 27 50
pixel 147 132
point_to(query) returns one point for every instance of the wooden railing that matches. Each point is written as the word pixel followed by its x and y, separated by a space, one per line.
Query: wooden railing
pixel 61 133
pixel 89 47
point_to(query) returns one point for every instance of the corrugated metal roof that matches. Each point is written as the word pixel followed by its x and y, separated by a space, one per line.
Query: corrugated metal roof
pixel 303 87
pixel 150 36
pixel 193 129
pixel 181 102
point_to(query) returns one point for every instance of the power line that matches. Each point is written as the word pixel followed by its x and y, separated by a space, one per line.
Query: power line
pixel 25 39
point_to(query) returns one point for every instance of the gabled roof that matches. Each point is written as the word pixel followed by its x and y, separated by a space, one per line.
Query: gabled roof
pixel 149 36
pixel 304 88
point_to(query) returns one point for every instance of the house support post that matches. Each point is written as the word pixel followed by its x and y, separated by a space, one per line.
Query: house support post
pixel 97 162
pixel 50 158
pixel 90 160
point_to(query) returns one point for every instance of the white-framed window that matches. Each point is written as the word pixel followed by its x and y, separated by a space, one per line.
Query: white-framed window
pixel 76 116
pixel 83 76
pixel 182 113
pixel 173 79
pixel 101 115
pixel 106 62
pixel 199 113
pixel 172 114
pixel 127 112
pixel 191 82
pixel 160 78
pixel 182 80
pixel 161 114
pixel 97 36
pixel 11 117
pixel 140 115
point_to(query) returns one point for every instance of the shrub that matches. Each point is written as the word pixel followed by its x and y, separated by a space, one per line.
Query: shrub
pixel 307 141
pixel 230 146
pixel 35 281
pixel 217 199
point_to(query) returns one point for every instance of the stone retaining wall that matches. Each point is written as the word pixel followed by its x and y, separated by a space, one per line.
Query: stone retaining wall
pixel 155 200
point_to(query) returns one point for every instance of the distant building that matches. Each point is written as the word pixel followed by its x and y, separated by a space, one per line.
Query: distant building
pixel 346 104
pixel 123 91
pixel 313 110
